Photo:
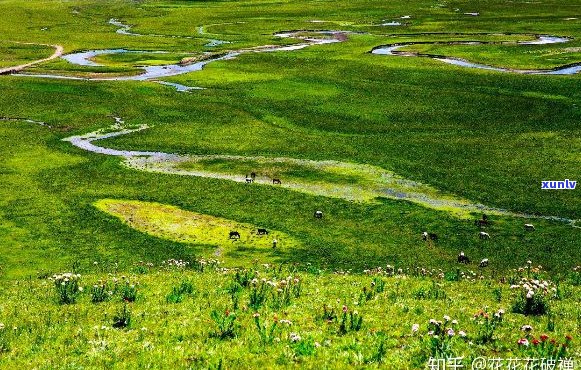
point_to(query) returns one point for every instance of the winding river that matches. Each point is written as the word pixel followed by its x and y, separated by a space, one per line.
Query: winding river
pixel 394 49
pixel 375 181
pixel 152 73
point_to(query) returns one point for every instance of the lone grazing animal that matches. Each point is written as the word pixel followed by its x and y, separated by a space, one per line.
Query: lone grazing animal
pixel 484 263
pixel 234 235
pixel 253 175
pixel 462 258
pixel 318 214
pixel 425 235
pixel 481 223
pixel 121 323
pixel 529 227
pixel 249 180
pixel 276 181
pixel 484 235
pixel 262 232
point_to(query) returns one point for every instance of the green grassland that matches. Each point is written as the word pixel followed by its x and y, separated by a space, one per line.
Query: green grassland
pixel 480 135
pixel 170 323
pixel 484 136
pixel 15 54
pixel 181 226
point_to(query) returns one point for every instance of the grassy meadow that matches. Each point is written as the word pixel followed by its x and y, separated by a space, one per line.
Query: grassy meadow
pixel 479 135
pixel 201 315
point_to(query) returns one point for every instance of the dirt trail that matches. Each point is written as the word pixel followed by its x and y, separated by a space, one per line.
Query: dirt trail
pixel 58 51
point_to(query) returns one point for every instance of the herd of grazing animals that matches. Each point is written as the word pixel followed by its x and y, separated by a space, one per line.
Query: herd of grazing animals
pixel 252 177
pixel 462 258
pixel 426 236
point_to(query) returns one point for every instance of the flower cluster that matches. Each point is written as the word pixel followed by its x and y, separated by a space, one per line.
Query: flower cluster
pixel 202 264
pixel 468 275
pixel 294 337
pixel 64 277
pixel 487 324
pixel 350 321
pixel 542 347
pixel 532 298
pixel 270 333
pixel 146 264
pixel 199 265
pixel 143 267
pixel 175 263
pixel 389 270
pixel 101 291
pixel 529 270
pixel 67 287
pixel 342 272
pixel 534 286
pixel 438 328
pixel 281 292
pixel 423 272
pixel 437 342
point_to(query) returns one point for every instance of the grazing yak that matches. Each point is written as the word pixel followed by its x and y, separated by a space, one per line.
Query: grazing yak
pixel 234 235
pixel 480 223
pixel 318 214
pixel 462 258
pixel 484 263
pixel 276 181
pixel 529 227
pixel 262 232
pixel 484 235
pixel 431 236
pixel 483 221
